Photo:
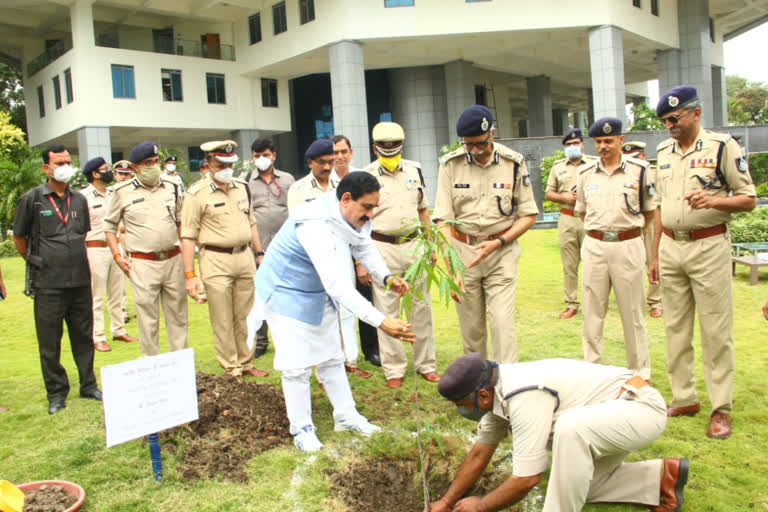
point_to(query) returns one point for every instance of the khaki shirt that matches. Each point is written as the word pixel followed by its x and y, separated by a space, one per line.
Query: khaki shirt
pixel 269 203
pixel 149 215
pixel 175 178
pixel 401 197
pixel 531 415
pixel 307 189
pixel 212 215
pixel 564 176
pixel 477 194
pixel 677 175
pixel 611 202
pixel 97 209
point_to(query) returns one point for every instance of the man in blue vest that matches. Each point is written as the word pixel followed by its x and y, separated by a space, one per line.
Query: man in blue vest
pixel 301 284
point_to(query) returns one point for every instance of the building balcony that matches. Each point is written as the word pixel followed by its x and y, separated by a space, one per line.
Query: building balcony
pixel 207 48
pixel 53 52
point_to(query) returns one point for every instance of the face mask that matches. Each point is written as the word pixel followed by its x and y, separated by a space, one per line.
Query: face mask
pixel 572 152
pixel 224 175
pixel 64 173
pixel 107 176
pixel 149 174
pixel 170 167
pixel 390 163
pixel 263 163
pixel 474 414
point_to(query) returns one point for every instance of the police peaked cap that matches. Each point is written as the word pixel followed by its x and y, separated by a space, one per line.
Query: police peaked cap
pixel 318 148
pixel 676 98
pixel 573 134
pixel 632 146
pixel 388 132
pixel 221 150
pixel 93 164
pixel 464 376
pixel 142 152
pixel 122 166
pixel 476 120
pixel 605 127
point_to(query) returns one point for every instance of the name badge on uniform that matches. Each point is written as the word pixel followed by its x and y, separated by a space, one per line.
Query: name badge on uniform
pixel 742 164
pixel 502 185
pixel 562 172
pixel 46 213
pixel 97 206
pixel 137 200
pixel 461 185
pixel 218 204
pixel 665 166
pixel 592 187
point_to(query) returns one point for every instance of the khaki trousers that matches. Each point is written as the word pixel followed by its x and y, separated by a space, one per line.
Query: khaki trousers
pixel 490 292
pixel 588 450
pixel 653 297
pixel 571 234
pixel 155 282
pixel 698 275
pixel 621 266
pixel 107 277
pixel 228 280
pixel 393 358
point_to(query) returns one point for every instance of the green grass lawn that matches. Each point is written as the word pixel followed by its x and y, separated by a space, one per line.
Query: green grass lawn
pixel 728 475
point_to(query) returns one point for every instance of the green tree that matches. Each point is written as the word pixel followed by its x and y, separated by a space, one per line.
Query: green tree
pixel 644 118
pixel 17 177
pixel 12 95
pixel 12 140
pixel 546 167
pixel 747 101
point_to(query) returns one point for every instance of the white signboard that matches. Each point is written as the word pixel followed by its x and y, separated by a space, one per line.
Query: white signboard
pixel 148 395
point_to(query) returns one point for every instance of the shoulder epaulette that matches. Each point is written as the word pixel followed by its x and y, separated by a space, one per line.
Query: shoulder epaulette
pixel 665 144
pixel 559 161
pixel 240 181
pixel 412 163
pixel 195 187
pixel 722 137
pixel 371 167
pixel 509 154
pixel 638 161
pixel 120 186
pixel 587 166
pixel 453 154
pixel 590 158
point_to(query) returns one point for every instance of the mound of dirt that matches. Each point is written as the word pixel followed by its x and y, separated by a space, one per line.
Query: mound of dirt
pixel 237 420
pixel 48 498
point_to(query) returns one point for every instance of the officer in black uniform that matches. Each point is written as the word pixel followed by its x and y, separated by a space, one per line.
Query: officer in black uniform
pixel 49 233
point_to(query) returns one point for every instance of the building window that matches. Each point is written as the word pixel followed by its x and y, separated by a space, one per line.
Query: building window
pixel 655 7
pixel 254 27
pixel 196 158
pixel 636 3
pixel 712 29
pixel 398 3
pixel 279 19
pixel 481 95
pixel 68 85
pixel 122 82
pixel 171 83
pixel 268 92
pixel 40 101
pixel 57 92
pixel 307 10
pixel 215 84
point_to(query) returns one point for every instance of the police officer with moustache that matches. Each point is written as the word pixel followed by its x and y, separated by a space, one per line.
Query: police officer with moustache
pixel 216 216
pixel 636 149
pixel 106 276
pixel 149 208
pixel 614 197
pixel 487 187
pixel 703 179
pixel 561 188
pixel 402 201
pixel 49 232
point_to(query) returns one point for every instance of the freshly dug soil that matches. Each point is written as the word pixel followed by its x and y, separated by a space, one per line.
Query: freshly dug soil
pixel 48 498
pixel 237 420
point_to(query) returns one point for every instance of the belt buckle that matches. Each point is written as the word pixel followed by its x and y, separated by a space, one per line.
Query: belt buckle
pixel 161 256
pixel 683 235
pixel 610 236
pixel 238 250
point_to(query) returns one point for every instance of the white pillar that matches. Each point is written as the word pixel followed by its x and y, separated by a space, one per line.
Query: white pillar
pixel 539 106
pixel 696 53
pixel 350 111
pixel 606 58
pixel 81 21
pixel 459 92
pixel 93 141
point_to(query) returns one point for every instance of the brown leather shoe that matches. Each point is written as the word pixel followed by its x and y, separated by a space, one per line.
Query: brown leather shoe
pixel 102 346
pixel 568 313
pixel 395 383
pixel 255 372
pixel 357 371
pixel 656 311
pixel 673 479
pixel 431 377
pixel 686 410
pixel 125 338
pixel 719 425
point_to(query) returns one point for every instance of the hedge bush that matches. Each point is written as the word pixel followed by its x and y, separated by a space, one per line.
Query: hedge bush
pixel 8 249
pixel 751 226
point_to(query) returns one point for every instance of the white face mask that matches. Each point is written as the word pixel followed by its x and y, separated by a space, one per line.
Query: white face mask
pixel 572 152
pixel 64 173
pixel 224 175
pixel 170 167
pixel 263 163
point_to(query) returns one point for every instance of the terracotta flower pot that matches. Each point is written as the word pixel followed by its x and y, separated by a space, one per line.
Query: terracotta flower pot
pixel 69 487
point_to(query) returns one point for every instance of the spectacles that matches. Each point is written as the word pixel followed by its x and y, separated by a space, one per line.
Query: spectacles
pixel 675 119
pixel 479 144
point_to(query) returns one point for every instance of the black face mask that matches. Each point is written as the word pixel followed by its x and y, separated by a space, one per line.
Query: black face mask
pixel 107 177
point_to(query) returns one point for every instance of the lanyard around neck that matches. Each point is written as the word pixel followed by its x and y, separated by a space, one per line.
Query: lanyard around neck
pixel 63 218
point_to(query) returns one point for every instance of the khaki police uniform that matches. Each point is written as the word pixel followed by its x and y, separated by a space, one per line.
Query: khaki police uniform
pixel 150 217
pixel 594 419
pixel 694 265
pixel 483 198
pixel 307 189
pixel 219 221
pixel 614 204
pixel 175 179
pixel 401 197
pixel 106 275
pixel 653 295
pixel 563 178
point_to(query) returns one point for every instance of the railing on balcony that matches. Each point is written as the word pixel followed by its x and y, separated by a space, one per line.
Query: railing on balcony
pixel 50 54
pixel 187 48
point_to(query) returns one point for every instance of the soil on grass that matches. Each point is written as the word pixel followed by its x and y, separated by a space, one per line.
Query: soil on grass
pixel 237 420
pixel 48 498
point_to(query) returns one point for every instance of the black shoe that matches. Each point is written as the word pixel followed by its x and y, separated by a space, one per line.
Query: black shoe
pixel 374 359
pixel 56 405
pixel 259 351
pixel 93 395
